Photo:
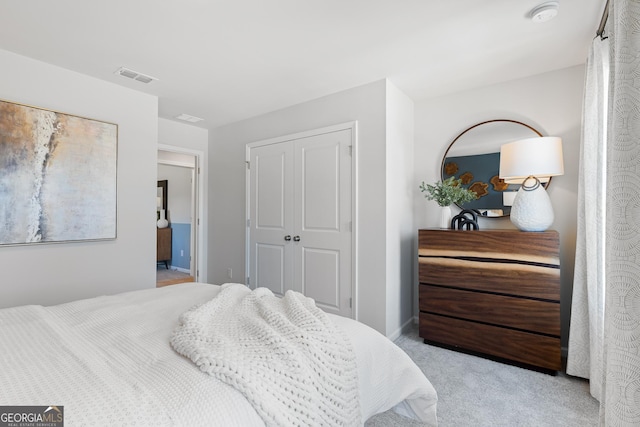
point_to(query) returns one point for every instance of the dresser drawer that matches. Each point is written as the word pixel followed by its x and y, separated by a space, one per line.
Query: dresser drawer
pixel 534 281
pixel 526 314
pixel 512 245
pixel 523 347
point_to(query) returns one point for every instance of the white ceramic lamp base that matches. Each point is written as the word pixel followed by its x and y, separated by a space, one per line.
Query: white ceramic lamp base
pixel 162 222
pixel 532 210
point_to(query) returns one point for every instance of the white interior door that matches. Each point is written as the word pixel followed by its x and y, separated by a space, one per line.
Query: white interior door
pixel 271 217
pixel 322 220
pixel 300 218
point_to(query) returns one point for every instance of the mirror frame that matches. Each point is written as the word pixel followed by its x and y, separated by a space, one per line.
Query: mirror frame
pixel 442 174
pixel 164 184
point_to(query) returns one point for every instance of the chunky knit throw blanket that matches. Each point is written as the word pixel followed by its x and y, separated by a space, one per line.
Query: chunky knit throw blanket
pixel 283 354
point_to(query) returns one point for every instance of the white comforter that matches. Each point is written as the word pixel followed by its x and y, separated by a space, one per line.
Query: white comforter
pixel 108 361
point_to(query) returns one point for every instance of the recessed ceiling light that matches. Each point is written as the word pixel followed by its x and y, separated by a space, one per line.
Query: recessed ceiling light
pixel 189 118
pixel 126 72
pixel 544 12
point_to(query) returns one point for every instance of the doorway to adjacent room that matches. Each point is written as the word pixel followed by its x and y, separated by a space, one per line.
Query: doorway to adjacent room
pixel 180 172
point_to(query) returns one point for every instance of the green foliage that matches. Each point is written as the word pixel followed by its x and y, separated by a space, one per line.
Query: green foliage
pixel 448 192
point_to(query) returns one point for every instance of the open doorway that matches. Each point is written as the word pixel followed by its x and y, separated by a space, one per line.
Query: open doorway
pixel 179 173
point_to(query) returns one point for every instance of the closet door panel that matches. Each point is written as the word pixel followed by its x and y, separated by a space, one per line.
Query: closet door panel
pixel 271 217
pixel 322 217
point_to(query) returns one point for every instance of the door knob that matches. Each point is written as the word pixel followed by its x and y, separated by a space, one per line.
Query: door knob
pixel 287 237
pixel 296 238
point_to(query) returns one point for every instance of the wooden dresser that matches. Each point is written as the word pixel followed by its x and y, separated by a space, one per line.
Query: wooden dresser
pixel 163 242
pixel 492 292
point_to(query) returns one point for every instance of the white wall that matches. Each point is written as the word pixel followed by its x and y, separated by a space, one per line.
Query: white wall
pixel 400 229
pixel 55 273
pixel 179 190
pixel 366 105
pixel 182 135
pixel 551 103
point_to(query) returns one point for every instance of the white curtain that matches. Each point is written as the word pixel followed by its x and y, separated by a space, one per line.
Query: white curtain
pixel 604 343
pixel 587 314
pixel 620 404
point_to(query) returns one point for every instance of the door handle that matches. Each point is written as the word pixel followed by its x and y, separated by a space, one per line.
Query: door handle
pixel 287 238
pixel 296 238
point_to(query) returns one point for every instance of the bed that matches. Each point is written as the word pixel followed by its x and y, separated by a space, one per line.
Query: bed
pixel 108 361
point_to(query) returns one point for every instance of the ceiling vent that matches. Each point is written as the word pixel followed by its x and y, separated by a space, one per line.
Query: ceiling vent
pixel 125 72
pixel 189 118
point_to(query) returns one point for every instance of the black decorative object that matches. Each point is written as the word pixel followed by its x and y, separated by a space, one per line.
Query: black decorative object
pixel 467 219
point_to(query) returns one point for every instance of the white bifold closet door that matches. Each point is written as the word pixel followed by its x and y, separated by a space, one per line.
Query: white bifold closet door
pixel 300 218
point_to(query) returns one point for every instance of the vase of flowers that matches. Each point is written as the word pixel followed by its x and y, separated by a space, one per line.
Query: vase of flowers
pixel 446 193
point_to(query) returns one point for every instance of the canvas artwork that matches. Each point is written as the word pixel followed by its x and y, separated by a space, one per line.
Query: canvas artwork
pixel 57 176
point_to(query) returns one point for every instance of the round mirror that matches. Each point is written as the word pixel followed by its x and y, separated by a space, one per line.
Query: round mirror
pixel 474 158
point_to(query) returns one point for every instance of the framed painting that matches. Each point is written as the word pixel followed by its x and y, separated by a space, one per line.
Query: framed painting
pixel 58 176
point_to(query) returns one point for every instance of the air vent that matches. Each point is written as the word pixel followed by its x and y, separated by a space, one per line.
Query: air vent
pixel 189 118
pixel 125 72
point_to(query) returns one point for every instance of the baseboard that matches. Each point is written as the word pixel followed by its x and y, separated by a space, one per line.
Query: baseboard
pixel 406 327
pixel 182 270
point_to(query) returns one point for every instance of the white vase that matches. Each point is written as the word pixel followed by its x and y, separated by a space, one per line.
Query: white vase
pixel 445 216
pixel 162 222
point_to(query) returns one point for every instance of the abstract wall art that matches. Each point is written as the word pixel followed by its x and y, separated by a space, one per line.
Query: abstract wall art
pixel 58 176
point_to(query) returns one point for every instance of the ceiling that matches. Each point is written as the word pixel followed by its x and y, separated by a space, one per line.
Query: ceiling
pixel 228 60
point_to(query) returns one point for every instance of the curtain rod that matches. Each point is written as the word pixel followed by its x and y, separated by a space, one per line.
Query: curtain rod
pixel 603 21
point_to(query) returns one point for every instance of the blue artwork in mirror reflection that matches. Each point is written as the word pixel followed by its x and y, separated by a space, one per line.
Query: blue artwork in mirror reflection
pixel 483 180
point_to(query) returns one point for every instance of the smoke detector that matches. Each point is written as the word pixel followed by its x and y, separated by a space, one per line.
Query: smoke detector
pixel 544 12
pixel 125 72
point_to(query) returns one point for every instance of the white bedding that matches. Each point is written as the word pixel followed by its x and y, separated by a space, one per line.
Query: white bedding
pixel 108 361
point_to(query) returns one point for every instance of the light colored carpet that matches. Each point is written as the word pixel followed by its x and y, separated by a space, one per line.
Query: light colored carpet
pixel 476 392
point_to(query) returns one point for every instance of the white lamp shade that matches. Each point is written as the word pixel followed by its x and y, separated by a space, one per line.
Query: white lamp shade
pixel 539 157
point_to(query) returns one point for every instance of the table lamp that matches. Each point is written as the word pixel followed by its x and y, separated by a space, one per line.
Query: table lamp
pixel 527 162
